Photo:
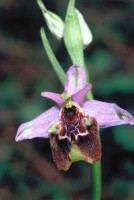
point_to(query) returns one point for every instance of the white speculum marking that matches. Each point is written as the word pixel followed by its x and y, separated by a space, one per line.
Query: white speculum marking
pixel 71 130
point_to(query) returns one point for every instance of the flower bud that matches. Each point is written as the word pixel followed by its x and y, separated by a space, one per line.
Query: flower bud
pixel 85 31
pixel 54 22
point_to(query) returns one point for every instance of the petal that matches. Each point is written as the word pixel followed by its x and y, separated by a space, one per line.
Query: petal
pixel 75 79
pixel 38 127
pixel 80 95
pixel 54 96
pixel 107 114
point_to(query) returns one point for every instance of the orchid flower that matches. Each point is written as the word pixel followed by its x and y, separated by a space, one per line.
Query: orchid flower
pixel 73 124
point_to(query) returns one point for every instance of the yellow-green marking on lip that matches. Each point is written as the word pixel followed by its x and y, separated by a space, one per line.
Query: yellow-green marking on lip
pixel 67 97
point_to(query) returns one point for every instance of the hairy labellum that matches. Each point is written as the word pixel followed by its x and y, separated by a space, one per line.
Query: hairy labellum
pixel 75 137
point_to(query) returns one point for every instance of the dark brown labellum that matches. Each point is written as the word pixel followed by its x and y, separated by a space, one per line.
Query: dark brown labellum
pixel 75 137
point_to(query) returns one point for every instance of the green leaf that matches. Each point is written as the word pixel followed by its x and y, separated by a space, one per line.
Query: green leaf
pixel 56 66
pixel 72 35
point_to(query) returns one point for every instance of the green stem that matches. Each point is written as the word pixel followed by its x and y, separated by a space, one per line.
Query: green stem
pixel 56 66
pixel 96 181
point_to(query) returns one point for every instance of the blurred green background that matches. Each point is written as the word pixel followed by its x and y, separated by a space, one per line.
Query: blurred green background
pixel 27 170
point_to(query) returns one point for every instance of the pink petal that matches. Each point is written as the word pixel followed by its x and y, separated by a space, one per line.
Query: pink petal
pixel 107 114
pixel 38 127
pixel 80 95
pixel 54 96
pixel 75 79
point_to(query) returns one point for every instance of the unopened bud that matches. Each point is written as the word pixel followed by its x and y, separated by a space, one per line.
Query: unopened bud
pixel 54 22
pixel 85 31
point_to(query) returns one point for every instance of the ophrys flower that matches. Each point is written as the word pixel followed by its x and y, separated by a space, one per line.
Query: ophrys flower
pixel 73 124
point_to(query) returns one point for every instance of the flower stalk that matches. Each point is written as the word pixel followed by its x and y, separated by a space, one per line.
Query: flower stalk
pixel 95 170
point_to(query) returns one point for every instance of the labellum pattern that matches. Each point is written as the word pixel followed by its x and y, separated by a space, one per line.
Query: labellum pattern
pixel 74 131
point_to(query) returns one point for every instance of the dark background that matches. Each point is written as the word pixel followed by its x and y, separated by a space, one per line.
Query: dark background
pixel 27 170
